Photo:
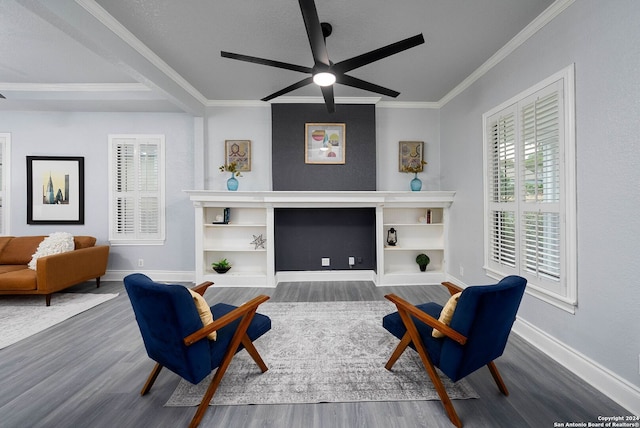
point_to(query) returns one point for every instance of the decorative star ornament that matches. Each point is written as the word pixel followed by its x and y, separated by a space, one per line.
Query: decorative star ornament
pixel 258 241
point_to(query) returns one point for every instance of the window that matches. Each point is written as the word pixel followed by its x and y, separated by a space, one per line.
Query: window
pixel 530 220
pixel 5 157
pixel 136 189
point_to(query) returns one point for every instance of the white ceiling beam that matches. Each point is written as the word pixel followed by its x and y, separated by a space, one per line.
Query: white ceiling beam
pixel 90 25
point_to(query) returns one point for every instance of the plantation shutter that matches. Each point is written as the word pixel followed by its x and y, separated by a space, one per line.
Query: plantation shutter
pixel 541 187
pixel 530 207
pixel 502 187
pixel 137 171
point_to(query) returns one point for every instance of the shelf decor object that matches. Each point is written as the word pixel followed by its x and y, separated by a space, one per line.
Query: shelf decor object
pixel 392 237
pixel 232 183
pixel 258 241
pixel 423 261
pixel 221 266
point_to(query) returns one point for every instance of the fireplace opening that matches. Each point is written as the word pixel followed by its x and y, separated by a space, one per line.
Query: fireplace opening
pixel 306 236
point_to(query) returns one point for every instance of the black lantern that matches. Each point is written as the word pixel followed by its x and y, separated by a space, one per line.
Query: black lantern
pixel 392 237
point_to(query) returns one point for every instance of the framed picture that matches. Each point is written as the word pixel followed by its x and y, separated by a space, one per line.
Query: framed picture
pixel 238 151
pixel 411 155
pixel 324 143
pixel 55 190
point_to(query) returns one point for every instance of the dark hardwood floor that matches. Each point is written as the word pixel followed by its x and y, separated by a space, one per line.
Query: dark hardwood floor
pixel 87 372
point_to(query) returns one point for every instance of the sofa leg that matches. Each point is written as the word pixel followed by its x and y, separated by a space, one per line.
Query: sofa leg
pixel 98 282
pixel 47 298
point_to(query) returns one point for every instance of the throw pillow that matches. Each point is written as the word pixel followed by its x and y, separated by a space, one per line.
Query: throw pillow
pixel 204 311
pixel 56 243
pixel 447 314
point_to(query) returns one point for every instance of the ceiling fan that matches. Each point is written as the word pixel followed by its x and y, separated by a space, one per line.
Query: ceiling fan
pixel 325 73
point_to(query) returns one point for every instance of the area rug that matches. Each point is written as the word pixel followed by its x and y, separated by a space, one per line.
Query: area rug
pixel 23 316
pixel 322 352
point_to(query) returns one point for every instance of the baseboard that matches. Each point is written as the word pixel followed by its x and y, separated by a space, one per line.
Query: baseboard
pixel 326 275
pixel 608 383
pixel 156 275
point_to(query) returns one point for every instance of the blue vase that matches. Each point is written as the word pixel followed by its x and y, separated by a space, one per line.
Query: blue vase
pixel 232 183
pixel 416 184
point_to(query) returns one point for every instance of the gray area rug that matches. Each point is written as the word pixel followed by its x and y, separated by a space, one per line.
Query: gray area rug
pixel 322 352
pixel 23 316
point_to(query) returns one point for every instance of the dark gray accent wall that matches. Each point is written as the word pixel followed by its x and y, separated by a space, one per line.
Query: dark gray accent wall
pixel 303 236
pixel 289 170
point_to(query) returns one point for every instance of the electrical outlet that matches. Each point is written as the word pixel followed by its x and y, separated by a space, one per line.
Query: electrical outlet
pixel 326 261
pixel 140 262
pixel 352 261
pixel 461 270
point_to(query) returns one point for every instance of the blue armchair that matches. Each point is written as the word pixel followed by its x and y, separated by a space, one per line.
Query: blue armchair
pixel 476 336
pixel 174 336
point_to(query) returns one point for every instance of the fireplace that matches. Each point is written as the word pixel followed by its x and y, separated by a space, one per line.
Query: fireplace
pixel 303 237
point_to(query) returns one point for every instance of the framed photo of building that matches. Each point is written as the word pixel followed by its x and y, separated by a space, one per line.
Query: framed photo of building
pixel 55 190
pixel 324 143
pixel 238 151
pixel 411 156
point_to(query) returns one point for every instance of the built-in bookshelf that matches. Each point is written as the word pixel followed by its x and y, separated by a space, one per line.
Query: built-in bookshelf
pixel 231 225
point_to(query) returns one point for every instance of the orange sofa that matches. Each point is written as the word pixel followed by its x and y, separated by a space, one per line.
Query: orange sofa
pixel 53 273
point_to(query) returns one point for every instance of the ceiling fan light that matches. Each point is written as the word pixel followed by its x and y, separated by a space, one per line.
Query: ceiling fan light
pixel 324 78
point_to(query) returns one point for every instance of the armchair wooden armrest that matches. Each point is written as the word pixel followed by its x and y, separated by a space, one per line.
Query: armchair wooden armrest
pixel 453 289
pixel 239 312
pixel 403 305
pixel 201 288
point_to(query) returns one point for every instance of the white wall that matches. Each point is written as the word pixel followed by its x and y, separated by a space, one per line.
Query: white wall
pixel 239 123
pixel 85 134
pixel 603 40
pixel 407 124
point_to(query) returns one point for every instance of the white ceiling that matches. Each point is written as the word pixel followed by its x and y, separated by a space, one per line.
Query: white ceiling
pixel 164 55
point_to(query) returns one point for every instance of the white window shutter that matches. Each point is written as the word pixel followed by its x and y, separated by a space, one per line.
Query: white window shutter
pixel 137 189
pixel 530 190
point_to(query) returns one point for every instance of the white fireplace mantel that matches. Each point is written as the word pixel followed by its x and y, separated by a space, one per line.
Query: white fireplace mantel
pixel 327 199
pixel 252 214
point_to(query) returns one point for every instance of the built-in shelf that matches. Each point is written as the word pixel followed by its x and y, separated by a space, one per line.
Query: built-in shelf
pixel 419 218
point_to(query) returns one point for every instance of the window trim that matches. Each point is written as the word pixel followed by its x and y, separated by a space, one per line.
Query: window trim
pixel 569 300
pixel 139 139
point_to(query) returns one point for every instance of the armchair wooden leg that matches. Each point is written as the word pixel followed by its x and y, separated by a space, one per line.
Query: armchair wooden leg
pixel 151 379
pixel 222 368
pixel 496 376
pixel 412 331
pixel 251 349
pixel 406 339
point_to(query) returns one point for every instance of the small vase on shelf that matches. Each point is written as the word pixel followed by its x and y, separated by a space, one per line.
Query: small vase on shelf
pixel 232 183
pixel 416 183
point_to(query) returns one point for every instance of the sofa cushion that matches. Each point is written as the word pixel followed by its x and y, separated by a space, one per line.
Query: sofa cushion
pixel 18 250
pixel 11 268
pixel 56 243
pixel 84 241
pixel 23 279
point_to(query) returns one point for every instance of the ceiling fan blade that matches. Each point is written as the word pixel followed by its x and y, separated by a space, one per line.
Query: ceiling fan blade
pixel 377 54
pixel 300 84
pixel 314 32
pixel 327 93
pixel 361 84
pixel 3 97
pixel 268 62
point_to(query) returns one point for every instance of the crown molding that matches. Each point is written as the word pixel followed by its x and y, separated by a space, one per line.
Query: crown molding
pixel 409 104
pixel 527 32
